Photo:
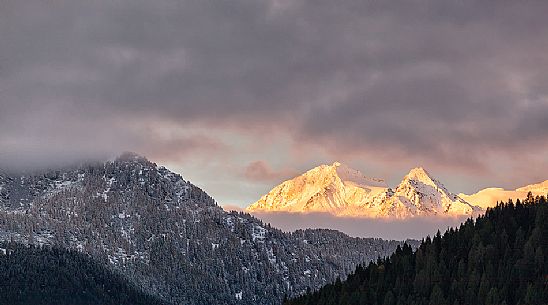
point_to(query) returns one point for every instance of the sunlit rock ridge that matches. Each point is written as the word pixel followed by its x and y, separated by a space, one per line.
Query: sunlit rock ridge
pixel 343 191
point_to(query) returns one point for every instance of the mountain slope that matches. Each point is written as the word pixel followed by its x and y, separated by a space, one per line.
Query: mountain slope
pixel 44 275
pixel 498 259
pixel 420 194
pixel 490 196
pixel 170 238
pixel 326 188
pixel 340 190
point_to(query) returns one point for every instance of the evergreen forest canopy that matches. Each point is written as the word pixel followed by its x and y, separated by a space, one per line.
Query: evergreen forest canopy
pixel 501 258
pixel 45 276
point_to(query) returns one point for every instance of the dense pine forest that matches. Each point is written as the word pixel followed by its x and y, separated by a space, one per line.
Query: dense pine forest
pixel 500 258
pixel 44 275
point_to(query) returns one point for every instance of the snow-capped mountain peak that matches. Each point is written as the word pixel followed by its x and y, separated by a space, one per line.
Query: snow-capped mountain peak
pixel 332 188
pixel 541 188
pixel 490 196
pixel 421 194
pixel 421 180
pixel 343 191
pixel 419 173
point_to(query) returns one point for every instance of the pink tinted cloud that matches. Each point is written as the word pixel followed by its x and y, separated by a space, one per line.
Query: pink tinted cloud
pixel 261 171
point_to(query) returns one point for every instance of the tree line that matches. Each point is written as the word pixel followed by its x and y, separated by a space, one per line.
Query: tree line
pixel 500 258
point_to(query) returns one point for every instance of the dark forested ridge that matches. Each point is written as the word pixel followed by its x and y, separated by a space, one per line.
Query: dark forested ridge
pixel 170 238
pixel 501 258
pixel 45 275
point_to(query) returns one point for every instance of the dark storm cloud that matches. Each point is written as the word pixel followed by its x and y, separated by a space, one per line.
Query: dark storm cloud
pixel 446 82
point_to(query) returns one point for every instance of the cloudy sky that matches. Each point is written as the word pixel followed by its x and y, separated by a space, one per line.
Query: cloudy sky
pixel 239 95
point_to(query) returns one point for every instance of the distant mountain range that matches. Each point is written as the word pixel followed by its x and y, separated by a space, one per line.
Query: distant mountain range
pixel 169 238
pixel 343 191
pixel 490 196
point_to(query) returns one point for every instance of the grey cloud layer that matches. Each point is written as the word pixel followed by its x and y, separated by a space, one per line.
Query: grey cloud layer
pixel 399 229
pixel 445 82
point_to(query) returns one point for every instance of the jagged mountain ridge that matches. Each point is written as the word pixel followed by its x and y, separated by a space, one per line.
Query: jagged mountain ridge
pixel 340 190
pixel 170 238
pixel 420 194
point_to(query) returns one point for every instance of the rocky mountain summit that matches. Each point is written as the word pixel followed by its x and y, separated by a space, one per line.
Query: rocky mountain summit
pixel 340 190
